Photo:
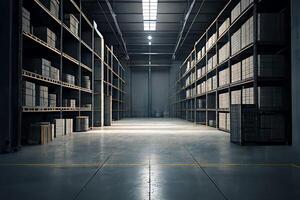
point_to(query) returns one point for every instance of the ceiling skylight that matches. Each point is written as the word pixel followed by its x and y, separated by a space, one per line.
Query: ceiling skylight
pixel 150 14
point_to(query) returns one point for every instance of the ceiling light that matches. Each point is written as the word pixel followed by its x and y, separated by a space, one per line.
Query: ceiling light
pixel 149 37
pixel 150 14
pixel 149 43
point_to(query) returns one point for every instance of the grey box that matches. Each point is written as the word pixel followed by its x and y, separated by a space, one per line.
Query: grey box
pixel 39 133
pixel 54 73
pixel 72 22
pixel 69 103
pixel 59 127
pixel 52 6
pixel 46 35
pixel 68 126
pixel 40 66
pixel 42 96
pixel 52 100
pixel 29 94
pixel 25 20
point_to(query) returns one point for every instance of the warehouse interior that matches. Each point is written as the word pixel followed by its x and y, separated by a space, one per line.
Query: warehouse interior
pixel 150 99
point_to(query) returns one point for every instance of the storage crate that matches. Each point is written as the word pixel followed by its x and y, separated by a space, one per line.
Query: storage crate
pixel 46 35
pixel 225 25
pixel 25 20
pixel 52 6
pixel 42 96
pixel 82 123
pixel 68 126
pixel 72 22
pixel 40 133
pixel 247 68
pixel 70 103
pixel 52 100
pixel 224 77
pixel 235 12
pixel 29 94
pixel 236 97
pixel 224 52
pixel 59 125
pixel 248 96
pixel 236 42
pixel 243 124
pixel 40 66
pixel 236 72
pixel 247 33
pixel 224 100
pixel 54 73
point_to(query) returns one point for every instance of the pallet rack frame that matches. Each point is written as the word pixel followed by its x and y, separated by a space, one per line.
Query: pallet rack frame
pixel 186 106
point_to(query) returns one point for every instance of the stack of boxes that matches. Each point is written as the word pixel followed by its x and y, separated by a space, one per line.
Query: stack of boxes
pixel 236 72
pixel 224 52
pixel 224 77
pixel 52 100
pixel 247 33
pixel 40 133
pixel 25 20
pixel 46 35
pixel 245 4
pixel 68 126
pixel 235 12
pixel 28 94
pixel 212 62
pixel 72 22
pixel 59 125
pixel 43 67
pixel 52 6
pixel 42 96
pixel 224 121
pixel 236 97
pixel 224 100
pixel 236 42
pixel 248 96
pixel 247 68
pixel 211 41
pixel 70 103
pixel 225 25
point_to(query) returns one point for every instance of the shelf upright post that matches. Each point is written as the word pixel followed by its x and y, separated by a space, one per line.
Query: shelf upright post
pixel 61 60
pixel 255 64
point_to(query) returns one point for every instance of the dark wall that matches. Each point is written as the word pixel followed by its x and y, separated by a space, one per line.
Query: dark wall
pixel 139 93
pixel 149 91
pixel 9 76
pixel 295 15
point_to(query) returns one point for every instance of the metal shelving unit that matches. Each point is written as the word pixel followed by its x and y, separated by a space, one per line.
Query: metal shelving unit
pixel 81 55
pixel 206 79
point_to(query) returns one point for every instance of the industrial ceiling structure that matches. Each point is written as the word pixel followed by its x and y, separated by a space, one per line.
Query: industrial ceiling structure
pixel 178 24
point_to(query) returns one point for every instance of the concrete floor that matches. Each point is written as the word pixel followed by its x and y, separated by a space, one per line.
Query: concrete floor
pixel 161 159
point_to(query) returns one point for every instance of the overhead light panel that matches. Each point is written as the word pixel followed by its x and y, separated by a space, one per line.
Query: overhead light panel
pixel 149 37
pixel 150 14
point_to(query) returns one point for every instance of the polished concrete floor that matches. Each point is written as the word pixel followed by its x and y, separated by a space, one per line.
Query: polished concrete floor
pixel 143 159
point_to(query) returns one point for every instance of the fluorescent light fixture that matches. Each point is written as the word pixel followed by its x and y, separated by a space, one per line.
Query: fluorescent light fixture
pixel 150 14
pixel 149 43
pixel 149 25
pixel 149 37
